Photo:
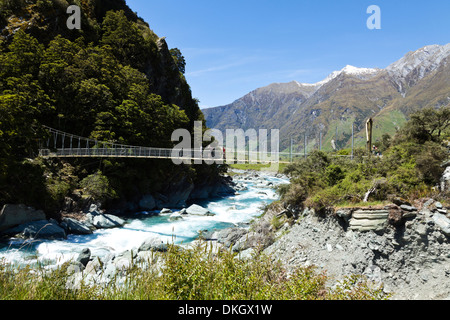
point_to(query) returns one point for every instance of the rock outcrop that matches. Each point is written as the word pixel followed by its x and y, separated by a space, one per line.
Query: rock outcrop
pixel 197 210
pixel 367 220
pixel 42 229
pixel 14 215
pixel 409 259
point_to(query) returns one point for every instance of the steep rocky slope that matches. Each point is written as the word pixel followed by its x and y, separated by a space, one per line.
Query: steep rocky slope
pixel 403 248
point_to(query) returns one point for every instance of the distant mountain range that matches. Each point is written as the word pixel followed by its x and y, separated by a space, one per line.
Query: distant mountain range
pixel 420 79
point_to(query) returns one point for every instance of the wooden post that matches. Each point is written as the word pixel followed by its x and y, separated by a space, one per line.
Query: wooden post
pixel 369 127
pixel 353 141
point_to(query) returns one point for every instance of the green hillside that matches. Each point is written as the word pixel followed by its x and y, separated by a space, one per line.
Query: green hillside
pixel 113 80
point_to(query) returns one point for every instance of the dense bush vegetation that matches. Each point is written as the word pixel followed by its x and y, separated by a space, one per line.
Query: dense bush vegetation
pixel 108 81
pixel 410 167
pixel 191 275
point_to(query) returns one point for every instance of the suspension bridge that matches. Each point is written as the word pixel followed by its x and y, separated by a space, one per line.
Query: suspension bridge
pixel 65 145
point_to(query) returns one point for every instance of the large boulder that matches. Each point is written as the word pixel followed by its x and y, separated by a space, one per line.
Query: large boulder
pixel 103 221
pixel 255 240
pixel 107 221
pixel 197 210
pixel 73 226
pixel 228 237
pixel 13 215
pixel 84 256
pixel 153 244
pixel 42 229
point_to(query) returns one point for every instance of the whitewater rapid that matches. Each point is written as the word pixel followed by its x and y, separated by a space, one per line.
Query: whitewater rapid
pixel 231 211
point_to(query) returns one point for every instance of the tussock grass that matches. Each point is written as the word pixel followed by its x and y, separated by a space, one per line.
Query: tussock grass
pixel 197 274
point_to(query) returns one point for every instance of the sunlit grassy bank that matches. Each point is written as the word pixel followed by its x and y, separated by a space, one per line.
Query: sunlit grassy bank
pixel 180 274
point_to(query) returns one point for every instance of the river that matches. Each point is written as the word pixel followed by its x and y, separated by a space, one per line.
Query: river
pixel 239 209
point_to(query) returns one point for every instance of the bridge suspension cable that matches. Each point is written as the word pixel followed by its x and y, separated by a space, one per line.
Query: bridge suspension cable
pixel 61 144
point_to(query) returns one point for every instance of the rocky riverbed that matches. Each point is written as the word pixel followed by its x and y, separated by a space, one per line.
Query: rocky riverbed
pixel 409 258
pixel 402 247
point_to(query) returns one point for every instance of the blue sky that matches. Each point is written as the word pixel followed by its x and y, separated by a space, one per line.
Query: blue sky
pixel 233 47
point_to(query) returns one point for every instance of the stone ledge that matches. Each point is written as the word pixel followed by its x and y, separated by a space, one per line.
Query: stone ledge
pixel 368 220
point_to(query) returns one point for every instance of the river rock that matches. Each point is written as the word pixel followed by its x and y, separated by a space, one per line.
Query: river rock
pixel 400 201
pixel 84 257
pixel 73 226
pixel 197 210
pixel 438 205
pixel 175 216
pixel 165 211
pixel 219 188
pixel 176 194
pixel 107 221
pixel 255 240
pixel 93 266
pixel 42 229
pixel 443 223
pixel 93 208
pixel 153 244
pixel 345 214
pixel 75 267
pixel 228 237
pixel 14 215
pixel 408 208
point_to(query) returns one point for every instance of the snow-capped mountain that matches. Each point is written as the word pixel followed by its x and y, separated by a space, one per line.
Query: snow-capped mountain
pixel 414 66
pixel 424 60
pixel 362 73
pixel 350 95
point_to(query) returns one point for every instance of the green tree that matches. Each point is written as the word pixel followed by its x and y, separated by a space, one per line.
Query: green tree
pixel 125 39
pixel 428 124
pixel 22 104
pixel 23 57
pixel 179 59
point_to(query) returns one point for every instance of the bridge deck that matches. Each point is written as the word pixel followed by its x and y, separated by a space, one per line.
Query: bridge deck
pixel 150 153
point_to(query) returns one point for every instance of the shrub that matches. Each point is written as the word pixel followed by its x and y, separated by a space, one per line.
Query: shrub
pixel 334 174
pixel 97 185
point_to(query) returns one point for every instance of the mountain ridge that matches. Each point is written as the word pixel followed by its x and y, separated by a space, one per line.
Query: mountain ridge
pixel 350 95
